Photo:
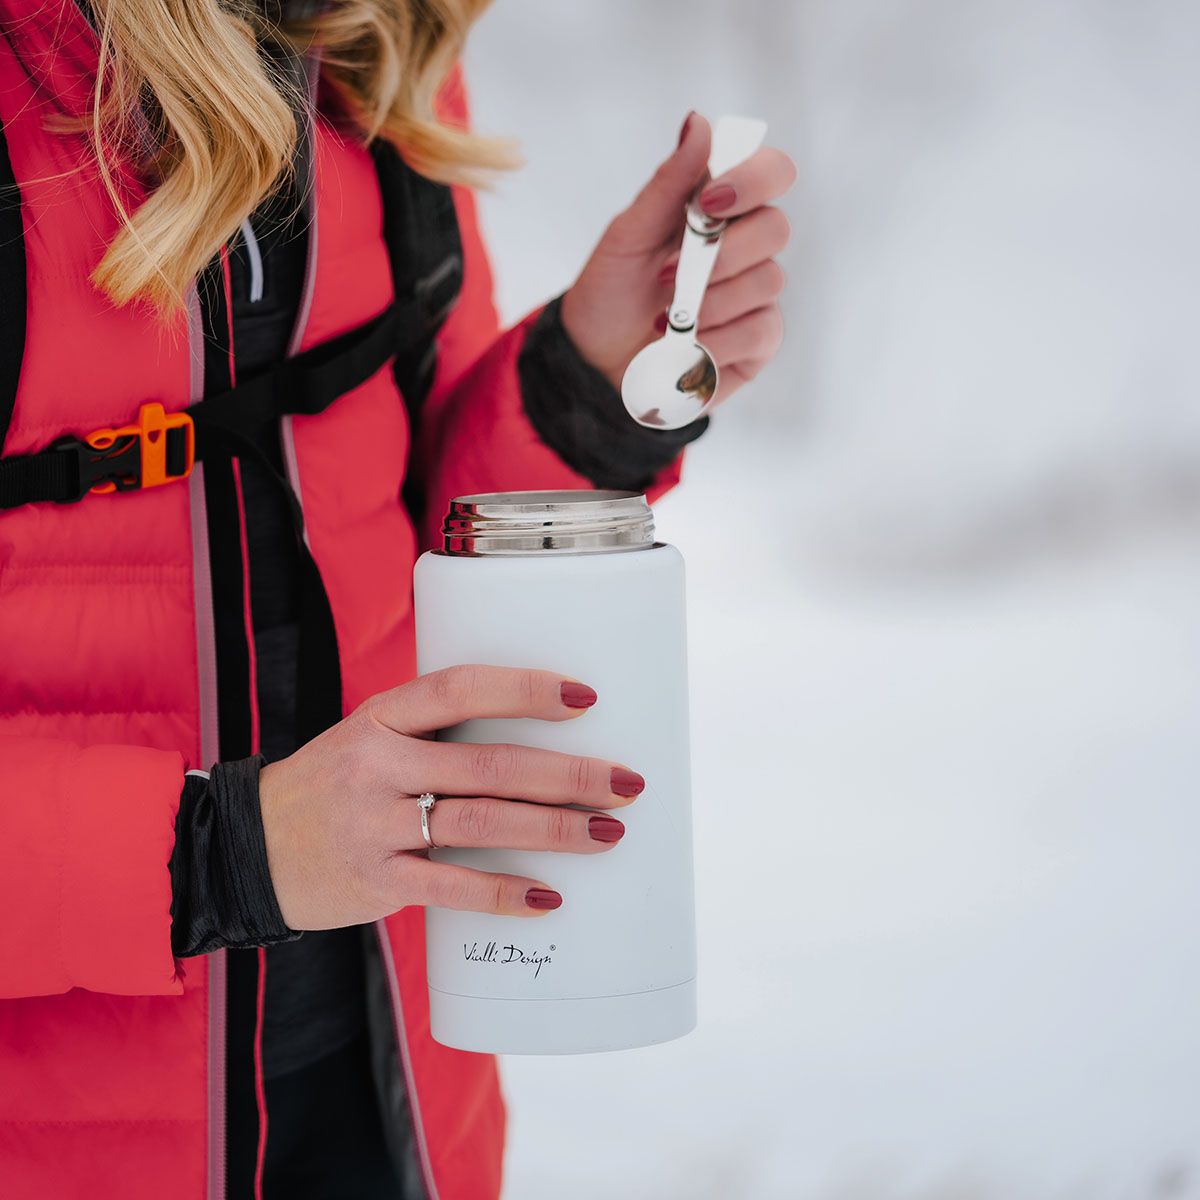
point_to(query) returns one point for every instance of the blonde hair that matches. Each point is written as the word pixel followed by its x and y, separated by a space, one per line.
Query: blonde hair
pixel 185 92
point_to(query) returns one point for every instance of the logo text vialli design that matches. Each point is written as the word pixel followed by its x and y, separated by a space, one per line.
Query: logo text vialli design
pixel 493 952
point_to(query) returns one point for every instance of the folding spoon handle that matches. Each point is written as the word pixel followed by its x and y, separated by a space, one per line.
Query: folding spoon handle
pixel 734 139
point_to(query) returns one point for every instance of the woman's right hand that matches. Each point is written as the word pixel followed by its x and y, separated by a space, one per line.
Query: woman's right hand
pixel 343 829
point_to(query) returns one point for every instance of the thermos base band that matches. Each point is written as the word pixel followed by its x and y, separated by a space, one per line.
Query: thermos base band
pixel 584 1026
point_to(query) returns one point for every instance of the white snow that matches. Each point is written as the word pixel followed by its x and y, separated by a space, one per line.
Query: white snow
pixel 944 597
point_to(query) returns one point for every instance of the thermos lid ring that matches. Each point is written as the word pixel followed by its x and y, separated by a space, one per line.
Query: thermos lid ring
pixel 560 522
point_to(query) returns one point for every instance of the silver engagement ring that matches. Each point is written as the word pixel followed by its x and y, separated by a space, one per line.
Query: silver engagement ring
pixel 425 803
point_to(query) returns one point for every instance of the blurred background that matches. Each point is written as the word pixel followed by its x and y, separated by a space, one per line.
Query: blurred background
pixel 945 599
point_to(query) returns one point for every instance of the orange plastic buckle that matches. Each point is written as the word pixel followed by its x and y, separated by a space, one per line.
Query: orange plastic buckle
pixel 153 425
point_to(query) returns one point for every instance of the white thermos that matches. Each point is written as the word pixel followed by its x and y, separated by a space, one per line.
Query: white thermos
pixel 571 582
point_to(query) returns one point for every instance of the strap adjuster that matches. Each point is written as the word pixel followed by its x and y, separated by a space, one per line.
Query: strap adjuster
pixel 159 448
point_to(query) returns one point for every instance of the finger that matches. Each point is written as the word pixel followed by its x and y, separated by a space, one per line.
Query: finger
pixel 754 288
pixel 755 335
pixel 657 212
pixel 444 698
pixel 445 885
pixel 522 773
pixel 734 376
pixel 763 177
pixel 761 235
pixel 753 239
pixel 477 821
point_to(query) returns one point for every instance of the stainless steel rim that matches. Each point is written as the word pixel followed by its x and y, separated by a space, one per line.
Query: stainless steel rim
pixel 561 522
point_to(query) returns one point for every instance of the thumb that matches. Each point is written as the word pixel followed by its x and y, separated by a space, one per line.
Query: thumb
pixel 657 212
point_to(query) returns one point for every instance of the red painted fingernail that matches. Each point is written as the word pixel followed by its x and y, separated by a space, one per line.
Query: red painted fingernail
pixel 626 782
pixel 718 199
pixel 542 898
pixel 667 274
pixel 577 695
pixel 660 323
pixel 687 121
pixel 605 829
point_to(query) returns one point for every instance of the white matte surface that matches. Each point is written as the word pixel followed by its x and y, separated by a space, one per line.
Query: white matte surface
pixel 576 1026
pixel 627 924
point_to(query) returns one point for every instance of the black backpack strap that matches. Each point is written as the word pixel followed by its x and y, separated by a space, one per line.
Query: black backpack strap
pixel 424 244
pixel 134 457
pixel 13 295
pixel 301 386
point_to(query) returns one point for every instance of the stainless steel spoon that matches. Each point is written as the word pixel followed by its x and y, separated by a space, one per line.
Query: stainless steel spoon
pixel 671 382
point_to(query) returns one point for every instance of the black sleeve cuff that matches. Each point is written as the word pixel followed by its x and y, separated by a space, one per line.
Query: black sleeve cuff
pixel 221 890
pixel 581 417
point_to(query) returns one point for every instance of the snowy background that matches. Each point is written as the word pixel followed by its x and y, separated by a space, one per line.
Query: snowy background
pixel 945 600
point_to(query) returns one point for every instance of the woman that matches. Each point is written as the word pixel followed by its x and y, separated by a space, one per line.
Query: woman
pixel 243 234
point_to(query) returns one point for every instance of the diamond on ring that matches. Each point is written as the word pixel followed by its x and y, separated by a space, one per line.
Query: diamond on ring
pixel 425 803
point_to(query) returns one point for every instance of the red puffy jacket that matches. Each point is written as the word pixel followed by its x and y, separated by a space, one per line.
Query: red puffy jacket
pixel 112 1052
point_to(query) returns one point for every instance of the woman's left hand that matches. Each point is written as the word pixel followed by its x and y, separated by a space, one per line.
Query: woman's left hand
pixel 618 304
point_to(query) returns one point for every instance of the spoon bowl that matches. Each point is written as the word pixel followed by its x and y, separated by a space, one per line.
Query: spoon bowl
pixel 670 382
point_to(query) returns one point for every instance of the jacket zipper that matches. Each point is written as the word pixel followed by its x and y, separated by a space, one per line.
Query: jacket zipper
pixel 206 667
pixel 414 1101
pixel 216 1075
pixel 217 966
